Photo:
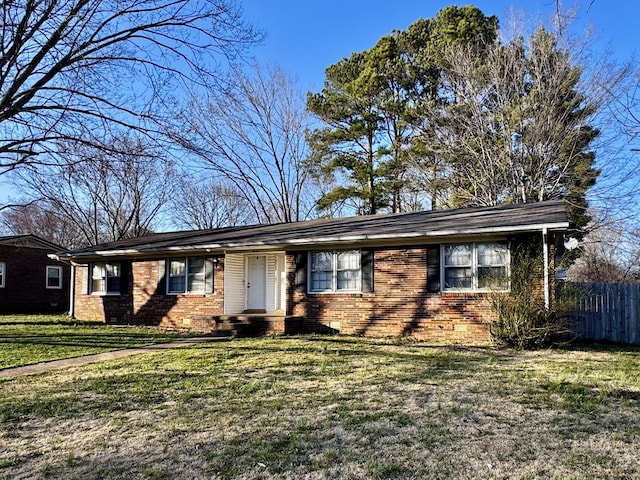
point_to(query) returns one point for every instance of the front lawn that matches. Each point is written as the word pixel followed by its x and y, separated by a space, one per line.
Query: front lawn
pixel 328 408
pixel 28 339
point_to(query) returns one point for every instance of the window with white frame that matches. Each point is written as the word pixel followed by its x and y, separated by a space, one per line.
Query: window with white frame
pixel 335 271
pixel 54 276
pixel 186 275
pixel 105 278
pixel 3 273
pixel 475 266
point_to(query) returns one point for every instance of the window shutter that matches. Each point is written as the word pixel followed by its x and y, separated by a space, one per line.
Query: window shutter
pixel 84 278
pixel 366 265
pixel 433 268
pixel 125 269
pixel 162 278
pixel 301 272
pixel 209 269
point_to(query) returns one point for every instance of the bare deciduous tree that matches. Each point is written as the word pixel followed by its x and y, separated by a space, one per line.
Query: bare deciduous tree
pixel 252 135
pixel 40 218
pixel 518 127
pixel 210 204
pixel 523 123
pixel 106 196
pixel 609 253
pixel 71 68
pixel 611 86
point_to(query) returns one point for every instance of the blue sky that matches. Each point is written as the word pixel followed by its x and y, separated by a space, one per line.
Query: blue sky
pixel 305 37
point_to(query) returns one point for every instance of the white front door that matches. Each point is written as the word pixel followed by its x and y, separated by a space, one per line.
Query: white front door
pixel 256 282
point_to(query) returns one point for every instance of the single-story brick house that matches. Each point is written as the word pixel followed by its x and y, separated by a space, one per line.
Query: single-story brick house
pixel 424 274
pixel 30 281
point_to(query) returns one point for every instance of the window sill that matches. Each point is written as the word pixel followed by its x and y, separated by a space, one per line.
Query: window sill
pixel 339 292
pixel 188 294
pixel 470 290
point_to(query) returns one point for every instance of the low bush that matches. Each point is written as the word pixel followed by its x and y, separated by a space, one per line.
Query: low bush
pixel 523 320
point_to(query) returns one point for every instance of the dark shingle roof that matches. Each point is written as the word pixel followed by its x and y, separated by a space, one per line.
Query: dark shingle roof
pixel 28 240
pixel 391 229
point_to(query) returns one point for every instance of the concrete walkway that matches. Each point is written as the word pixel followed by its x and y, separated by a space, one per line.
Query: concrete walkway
pixel 100 357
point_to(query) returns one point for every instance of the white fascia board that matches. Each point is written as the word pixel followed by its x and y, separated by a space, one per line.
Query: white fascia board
pixel 482 231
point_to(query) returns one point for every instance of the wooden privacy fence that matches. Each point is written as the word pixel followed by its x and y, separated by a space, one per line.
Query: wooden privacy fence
pixel 606 312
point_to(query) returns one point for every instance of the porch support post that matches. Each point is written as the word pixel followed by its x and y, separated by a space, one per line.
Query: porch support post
pixel 72 291
pixel 545 253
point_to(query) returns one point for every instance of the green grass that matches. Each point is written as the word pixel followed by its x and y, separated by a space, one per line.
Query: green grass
pixel 329 407
pixel 29 339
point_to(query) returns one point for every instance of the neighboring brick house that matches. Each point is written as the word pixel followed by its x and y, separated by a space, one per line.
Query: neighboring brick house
pixel 30 281
pixel 422 274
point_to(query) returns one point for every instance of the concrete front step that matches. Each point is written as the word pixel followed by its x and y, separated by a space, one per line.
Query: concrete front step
pixel 248 325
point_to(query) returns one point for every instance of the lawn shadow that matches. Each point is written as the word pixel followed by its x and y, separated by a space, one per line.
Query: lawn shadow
pixel 67 322
pixel 105 339
pixel 599 346
pixel 429 358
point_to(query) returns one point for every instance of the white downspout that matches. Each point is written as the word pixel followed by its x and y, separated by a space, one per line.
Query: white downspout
pixel 545 252
pixel 72 291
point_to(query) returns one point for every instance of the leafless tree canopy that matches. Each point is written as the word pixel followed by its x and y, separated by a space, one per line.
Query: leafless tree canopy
pixel 105 196
pixel 41 219
pixel 70 68
pixel 210 204
pixel 517 126
pixel 252 135
pixel 609 253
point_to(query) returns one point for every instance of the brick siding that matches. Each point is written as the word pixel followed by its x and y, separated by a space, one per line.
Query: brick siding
pixel 25 282
pixel 399 306
pixel 147 306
